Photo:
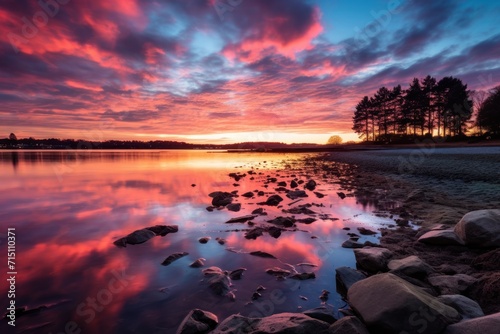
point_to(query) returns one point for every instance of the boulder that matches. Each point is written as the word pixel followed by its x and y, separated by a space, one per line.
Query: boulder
pixel 310 185
pixel 348 325
pixel 273 200
pixel 389 304
pixel 173 257
pixel 467 307
pixel 411 266
pixel 235 207
pixel 441 237
pixel 480 228
pixel 346 277
pixel 221 198
pixel 451 284
pixel 489 324
pixel 282 323
pixel 135 238
pixel 373 259
pixel 198 322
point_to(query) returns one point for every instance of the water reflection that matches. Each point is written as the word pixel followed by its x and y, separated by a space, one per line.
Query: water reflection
pixel 68 208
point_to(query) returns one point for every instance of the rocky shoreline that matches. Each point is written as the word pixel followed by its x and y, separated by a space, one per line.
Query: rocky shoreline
pixel 443 277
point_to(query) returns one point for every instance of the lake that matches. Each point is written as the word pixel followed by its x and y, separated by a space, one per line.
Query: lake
pixel 68 207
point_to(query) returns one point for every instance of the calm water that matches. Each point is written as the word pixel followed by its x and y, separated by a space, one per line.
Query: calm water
pixel 68 208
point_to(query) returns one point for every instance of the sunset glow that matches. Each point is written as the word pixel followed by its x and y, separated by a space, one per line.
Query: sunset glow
pixel 217 71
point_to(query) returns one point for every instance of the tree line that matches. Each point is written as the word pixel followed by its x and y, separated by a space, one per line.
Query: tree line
pixel 426 108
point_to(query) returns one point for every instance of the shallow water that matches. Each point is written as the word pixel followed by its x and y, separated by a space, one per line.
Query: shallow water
pixel 68 207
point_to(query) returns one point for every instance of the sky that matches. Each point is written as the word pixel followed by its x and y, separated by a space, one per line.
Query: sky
pixel 227 71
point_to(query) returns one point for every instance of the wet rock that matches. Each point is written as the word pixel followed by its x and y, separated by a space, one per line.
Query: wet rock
pixel 411 266
pixel 198 322
pixel 440 237
pixel 259 211
pixel 480 228
pixel 300 181
pixel 348 325
pixel 310 185
pixel 218 280
pixel 324 295
pixel 308 220
pixel 282 221
pixel 272 200
pixel 276 271
pixel 352 243
pixel 319 195
pixel 282 323
pixel 263 254
pixel 483 325
pixel 256 295
pixel 341 195
pixel 296 194
pixel 135 238
pixel 281 189
pixel 260 193
pixel 467 307
pixel 322 313
pixel 241 219
pixel 300 210
pixel 235 207
pixel 346 277
pixel 198 263
pixel 248 194
pixel 303 276
pixel 173 257
pixel 163 230
pixel 366 231
pixel 451 284
pixel 274 232
pixel 204 240
pixel 373 259
pixel 293 184
pixel 221 198
pixel 282 184
pixel 237 273
pixel 386 303
pixel 221 241
pixel 254 233
pixel 210 208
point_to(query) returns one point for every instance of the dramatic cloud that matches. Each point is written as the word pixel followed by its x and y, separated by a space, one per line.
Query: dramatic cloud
pixel 226 70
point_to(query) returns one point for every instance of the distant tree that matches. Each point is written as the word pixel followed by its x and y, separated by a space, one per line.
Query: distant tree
pixel 478 99
pixel 414 106
pixel 489 112
pixel 429 106
pixel 361 118
pixel 334 140
pixel 12 137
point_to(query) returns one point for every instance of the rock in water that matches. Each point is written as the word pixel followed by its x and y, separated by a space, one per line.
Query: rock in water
pixel 310 185
pixel 322 313
pixel 237 273
pixel 282 221
pixel 204 240
pixel 373 259
pixel 389 304
pixel 273 200
pixel 173 257
pixel 352 243
pixel 135 238
pixel 241 219
pixel 296 194
pixel 346 277
pixel 254 233
pixel 366 231
pixel 276 271
pixel 341 195
pixel 198 321
pixel 282 323
pixel 163 230
pixel 218 280
pixel 303 276
pixel 293 184
pixel 221 198
pixel 198 263
pixel 274 232
pixel 235 207
pixel 263 254
pixel 480 228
